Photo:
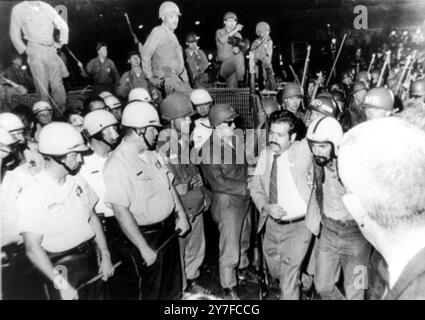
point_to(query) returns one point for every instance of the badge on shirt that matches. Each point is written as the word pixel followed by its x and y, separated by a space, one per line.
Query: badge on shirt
pixel 158 164
pixel 108 70
pixel 79 191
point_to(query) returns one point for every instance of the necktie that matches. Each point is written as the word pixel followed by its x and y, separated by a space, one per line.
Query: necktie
pixel 273 181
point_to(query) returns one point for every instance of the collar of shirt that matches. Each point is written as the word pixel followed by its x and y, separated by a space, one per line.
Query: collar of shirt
pixel 102 61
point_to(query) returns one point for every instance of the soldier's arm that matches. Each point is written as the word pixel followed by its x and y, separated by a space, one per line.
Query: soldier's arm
pixel 15 32
pixel 115 74
pixel 205 63
pixel 148 51
pixel 61 25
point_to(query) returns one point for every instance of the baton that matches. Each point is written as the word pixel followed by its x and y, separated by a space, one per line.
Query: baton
pixel 96 278
pixel 166 242
pixel 72 55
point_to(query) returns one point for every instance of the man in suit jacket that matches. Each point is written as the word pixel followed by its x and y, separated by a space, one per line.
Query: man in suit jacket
pixel 281 190
pixel 381 163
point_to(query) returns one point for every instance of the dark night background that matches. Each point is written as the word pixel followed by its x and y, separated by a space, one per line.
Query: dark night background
pixel 290 20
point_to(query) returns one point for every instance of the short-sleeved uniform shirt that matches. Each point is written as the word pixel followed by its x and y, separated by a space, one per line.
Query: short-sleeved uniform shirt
pixel 141 183
pixel 59 213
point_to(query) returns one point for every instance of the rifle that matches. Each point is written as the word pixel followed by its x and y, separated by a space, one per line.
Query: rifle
pixel 386 63
pixel 135 39
pixel 307 60
pixel 336 59
pixel 407 68
pixel 372 61
pixel 297 80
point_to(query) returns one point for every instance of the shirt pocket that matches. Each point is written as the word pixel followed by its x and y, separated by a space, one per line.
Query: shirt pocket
pixel 56 219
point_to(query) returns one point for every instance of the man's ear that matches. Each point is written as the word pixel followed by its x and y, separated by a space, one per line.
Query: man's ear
pixel 293 136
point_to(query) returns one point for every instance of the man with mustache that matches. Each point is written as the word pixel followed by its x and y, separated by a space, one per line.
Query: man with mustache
pixel 162 55
pixel 341 246
pixel 281 190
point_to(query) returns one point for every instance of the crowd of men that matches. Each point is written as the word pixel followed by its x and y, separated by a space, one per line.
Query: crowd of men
pixel 117 190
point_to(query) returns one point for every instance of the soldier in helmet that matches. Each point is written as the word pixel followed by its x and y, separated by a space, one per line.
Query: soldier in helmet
pixel 341 247
pixel 162 55
pixel 61 231
pixel 378 103
pixel 319 107
pixel 174 145
pixel 263 54
pixel 231 29
pixel 290 98
pixel 43 113
pixel 364 76
pixel 196 60
pixel 417 90
pixel 358 95
pixel 226 173
pixel 140 192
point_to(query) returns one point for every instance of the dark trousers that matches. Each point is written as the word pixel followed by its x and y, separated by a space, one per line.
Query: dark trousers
pixel 20 279
pixel 124 285
pixel 78 265
pixel 163 279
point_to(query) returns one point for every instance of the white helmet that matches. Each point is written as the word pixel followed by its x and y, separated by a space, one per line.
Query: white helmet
pixel 60 138
pixel 6 139
pixel 112 102
pixel 325 130
pixel 139 114
pixel 139 94
pixel 41 106
pixel 97 120
pixel 11 122
pixel 168 7
pixel 105 94
pixel 200 96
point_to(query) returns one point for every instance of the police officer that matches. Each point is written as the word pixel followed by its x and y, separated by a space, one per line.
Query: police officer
pixel 58 220
pixel 379 103
pixel 177 110
pixel 263 54
pixel 196 60
pixel 231 29
pixel 226 173
pixel 43 113
pixel 114 106
pixel 341 247
pixel 140 191
pixel 319 107
pixel 202 101
pixel 162 55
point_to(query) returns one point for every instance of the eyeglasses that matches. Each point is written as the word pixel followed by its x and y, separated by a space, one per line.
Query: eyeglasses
pixel 230 123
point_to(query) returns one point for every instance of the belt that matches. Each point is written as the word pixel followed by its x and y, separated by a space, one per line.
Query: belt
pixel 157 226
pixel 83 247
pixel 288 221
pixel 41 44
pixel 349 223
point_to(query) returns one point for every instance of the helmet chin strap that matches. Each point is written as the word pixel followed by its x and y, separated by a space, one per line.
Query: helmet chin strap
pixel 68 169
pixel 143 134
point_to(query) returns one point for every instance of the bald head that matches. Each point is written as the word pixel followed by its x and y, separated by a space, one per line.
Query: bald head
pixel 381 162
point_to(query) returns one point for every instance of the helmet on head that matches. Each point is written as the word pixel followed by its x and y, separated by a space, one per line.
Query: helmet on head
pixel 139 114
pixel 270 105
pixel 262 27
pixel 325 130
pixel 221 113
pixel 200 96
pixel 338 96
pixel 291 89
pixel 105 94
pixel 11 122
pixel 364 77
pixel 139 94
pixel 230 15
pixel 191 37
pixel 60 138
pixel 324 105
pixel 97 120
pixel 112 102
pixel 418 88
pixel 6 138
pixel 168 7
pixel 41 106
pixel 176 105
pixel 358 86
pixel 379 98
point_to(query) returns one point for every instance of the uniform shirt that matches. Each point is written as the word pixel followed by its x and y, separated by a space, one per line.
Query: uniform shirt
pixel 263 51
pixel 224 49
pixel 34 160
pixel 289 197
pixel 131 80
pixel 36 25
pixel 92 172
pixel 141 184
pixel 162 55
pixel 59 213
pixel 103 72
pixel 333 191
pixel 197 61
pixel 201 132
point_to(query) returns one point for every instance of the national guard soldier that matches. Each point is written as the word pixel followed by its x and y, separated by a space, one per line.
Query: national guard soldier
pixel 175 140
pixel 378 103
pixel 58 220
pixel 140 191
pixel 196 60
pixel 114 106
pixel 134 78
pixel 417 90
pixel 231 29
pixel 162 55
pixel 202 101
pixel 227 172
